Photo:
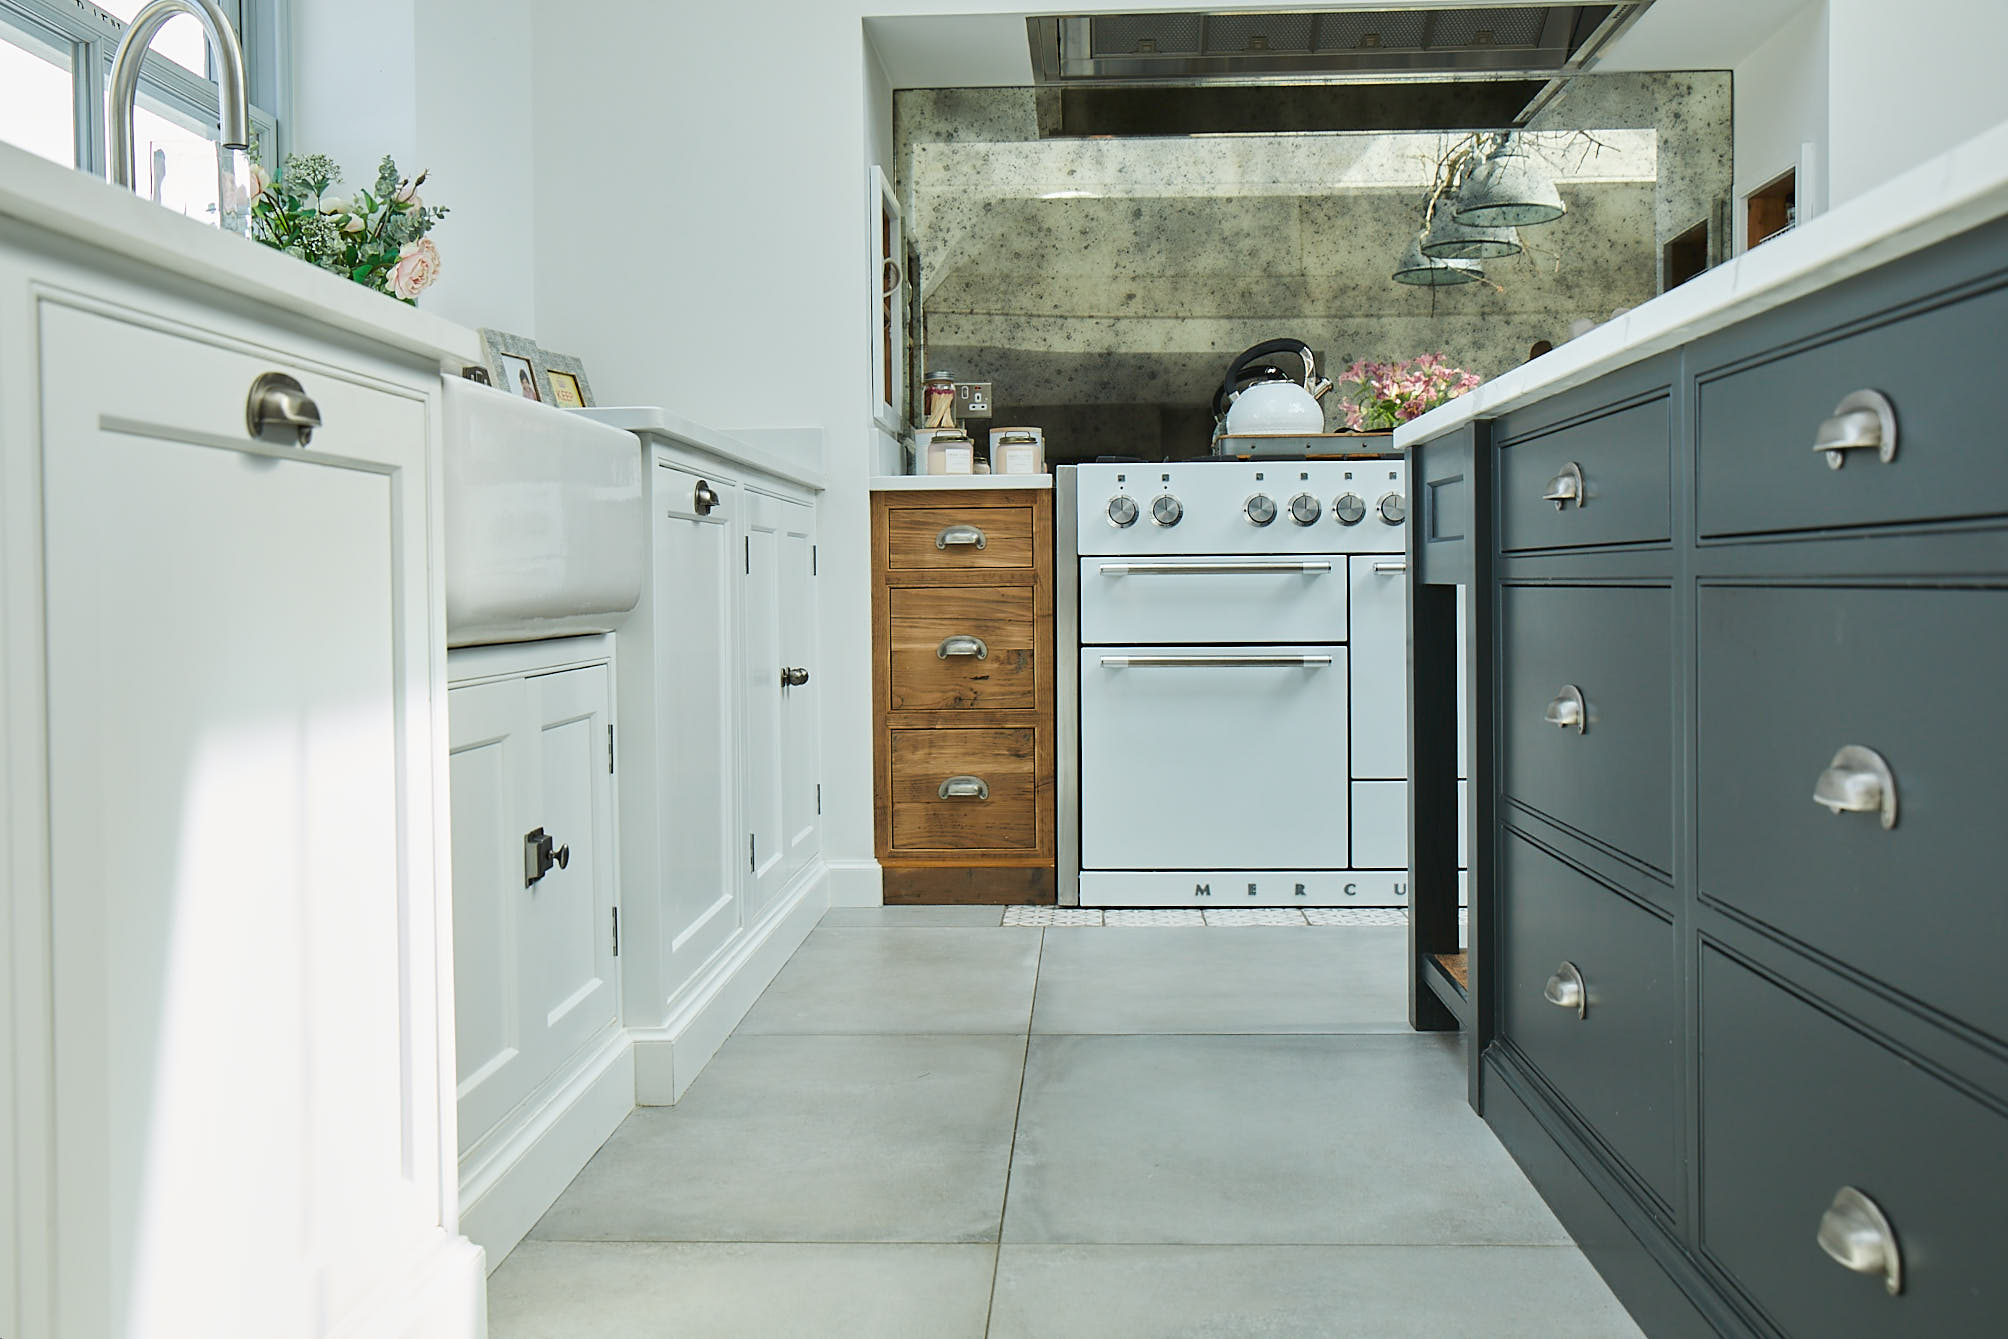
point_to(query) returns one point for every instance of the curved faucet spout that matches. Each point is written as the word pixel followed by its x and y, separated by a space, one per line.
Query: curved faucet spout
pixel 234 111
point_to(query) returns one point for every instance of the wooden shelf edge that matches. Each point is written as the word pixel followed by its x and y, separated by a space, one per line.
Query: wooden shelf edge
pixel 1444 986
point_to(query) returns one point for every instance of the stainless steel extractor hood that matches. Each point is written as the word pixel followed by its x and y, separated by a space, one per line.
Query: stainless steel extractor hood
pixel 1334 46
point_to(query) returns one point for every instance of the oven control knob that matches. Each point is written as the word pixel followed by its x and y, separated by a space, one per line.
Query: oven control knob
pixel 1260 509
pixel 1394 509
pixel 1305 509
pixel 1167 510
pixel 1122 511
pixel 1350 508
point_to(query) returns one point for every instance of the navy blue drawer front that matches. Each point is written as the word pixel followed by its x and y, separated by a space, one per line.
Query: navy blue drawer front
pixel 1787 677
pixel 1611 474
pixel 1617 1064
pixel 1795 1105
pixel 1613 779
pixel 1940 370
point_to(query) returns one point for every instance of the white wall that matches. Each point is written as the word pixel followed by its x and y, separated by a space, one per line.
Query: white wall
pixel 1781 108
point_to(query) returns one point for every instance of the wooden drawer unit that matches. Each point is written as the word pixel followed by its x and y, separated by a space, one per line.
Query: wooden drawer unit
pixel 1756 427
pixel 1586 711
pixel 1790 676
pixel 1590 994
pixel 1797 1104
pixel 1603 480
pixel 964 694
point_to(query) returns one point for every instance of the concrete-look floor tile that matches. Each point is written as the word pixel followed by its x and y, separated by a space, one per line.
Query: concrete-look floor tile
pixel 909 918
pixel 1260 979
pixel 1302 1292
pixel 636 1290
pixel 1261 1138
pixel 858 981
pixel 812 1139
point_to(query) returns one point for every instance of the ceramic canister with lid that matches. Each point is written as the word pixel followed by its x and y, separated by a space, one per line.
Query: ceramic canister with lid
pixel 950 452
pixel 1018 450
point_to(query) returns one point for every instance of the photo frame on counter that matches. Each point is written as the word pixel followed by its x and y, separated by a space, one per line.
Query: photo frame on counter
pixel 514 365
pixel 566 376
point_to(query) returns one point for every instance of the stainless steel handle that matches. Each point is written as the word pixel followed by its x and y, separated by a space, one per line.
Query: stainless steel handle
pixel 962 646
pixel 1398 565
pixel 1213 569
pixel 1864 421
pixel 1569 708
pixel 1186 662
pixel 1855 1233
pixel 1858 781
pixel 279 411
pixel 704 500
pixel 961 534
pixel 964 788
pixel 1568 486
pixel 793 677
pixel 1566 989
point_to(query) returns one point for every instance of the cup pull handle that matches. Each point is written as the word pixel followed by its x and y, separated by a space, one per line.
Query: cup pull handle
pixel 1568 486
pixel 280 411
pixel 1566 989
pixel 1569 709
pixel 1858 781
pixel 1855 1233
pixel 1864 421
pixel 962 646
pixel 961 534
pixel 964 788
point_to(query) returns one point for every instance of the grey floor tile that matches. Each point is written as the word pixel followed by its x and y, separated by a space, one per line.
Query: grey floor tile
pixel 1261 1139
pixel 848 980
pixel 812 1139
pixel 913 917
pixel 1259 979
pixel 1302 1292
pixel 634 1290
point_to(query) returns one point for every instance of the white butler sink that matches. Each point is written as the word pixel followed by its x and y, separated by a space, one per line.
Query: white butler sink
pixel 546 531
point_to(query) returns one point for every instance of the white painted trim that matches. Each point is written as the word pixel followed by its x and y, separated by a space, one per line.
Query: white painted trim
pixel 857 883
pixel 703 1014
pixel 444 1297
pixel 518 1172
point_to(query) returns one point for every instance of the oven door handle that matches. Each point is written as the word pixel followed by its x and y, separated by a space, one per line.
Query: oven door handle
pixel 1201 662
pixel 1213 569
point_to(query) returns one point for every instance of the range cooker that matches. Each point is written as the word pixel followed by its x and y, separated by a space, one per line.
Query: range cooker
pixel 1233 700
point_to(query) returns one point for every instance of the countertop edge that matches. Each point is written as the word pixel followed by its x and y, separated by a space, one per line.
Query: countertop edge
pixel 1960 189
pixel 654 422
pixel 962 483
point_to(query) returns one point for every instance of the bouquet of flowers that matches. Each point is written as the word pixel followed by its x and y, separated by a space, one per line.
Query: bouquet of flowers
pixel 376 236
pixel 1377 396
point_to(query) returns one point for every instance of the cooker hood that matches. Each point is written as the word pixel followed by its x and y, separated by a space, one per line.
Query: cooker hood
pixel 1530 41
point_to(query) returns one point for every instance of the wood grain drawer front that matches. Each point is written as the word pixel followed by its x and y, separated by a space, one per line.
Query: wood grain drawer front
pixel 1795 1105
pixel 1756 428
pixel 1787 677
pixel 958 539
pixel 1612 475
pixel 1003 818
pixel 1617 1062
pixel 964 647
pixel 1612 779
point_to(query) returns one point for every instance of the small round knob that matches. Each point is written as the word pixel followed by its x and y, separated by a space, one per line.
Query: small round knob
pixel 1350 508
pixel 1167 510
pixel 1305 509
pixel 1122 511
pixel 1260 509
pixel 1394 508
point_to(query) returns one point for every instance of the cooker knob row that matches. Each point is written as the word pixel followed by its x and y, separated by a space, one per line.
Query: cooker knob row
pixel 1351 508
pixel 1394 508
pixel 1260 509
pixel 1166 510
pixel 1305 509
pixel 1122 511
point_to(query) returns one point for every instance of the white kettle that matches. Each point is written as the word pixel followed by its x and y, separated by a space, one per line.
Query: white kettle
pixel 1262 401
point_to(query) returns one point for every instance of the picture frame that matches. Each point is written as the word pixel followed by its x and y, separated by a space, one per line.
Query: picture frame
pixel 566 376
pixel 513 365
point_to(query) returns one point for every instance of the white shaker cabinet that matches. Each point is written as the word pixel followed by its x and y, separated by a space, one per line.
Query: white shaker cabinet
pixel 782 790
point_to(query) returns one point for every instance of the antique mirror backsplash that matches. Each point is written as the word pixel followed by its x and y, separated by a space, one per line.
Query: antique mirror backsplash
pixel 1102 284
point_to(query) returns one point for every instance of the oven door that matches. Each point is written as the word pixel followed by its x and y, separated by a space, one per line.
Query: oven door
pixel 1214 601
pixel 1214 759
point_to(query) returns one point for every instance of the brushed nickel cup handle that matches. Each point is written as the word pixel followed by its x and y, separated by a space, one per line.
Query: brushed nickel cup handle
pixel 1568 486
pixel 1864 421
pixel 962 646
pixel 280 411
pixel 961 535
pixel 1569 709
pixel 964 788
pixel 1858 781
pixel 1856 1234
pixel 1566 989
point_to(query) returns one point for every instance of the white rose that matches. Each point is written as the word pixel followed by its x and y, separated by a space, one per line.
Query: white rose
pixel 417 268
pixel 407 194
pixel 334 204
pixel 261 181
pixel 356 223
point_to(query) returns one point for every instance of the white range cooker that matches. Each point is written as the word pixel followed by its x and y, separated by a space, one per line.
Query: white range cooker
pixel 1233 700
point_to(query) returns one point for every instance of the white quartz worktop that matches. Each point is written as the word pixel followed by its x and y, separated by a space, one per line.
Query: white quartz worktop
pixel 927 483
pixel 82 209
pixel 777 452
pixel 1947 195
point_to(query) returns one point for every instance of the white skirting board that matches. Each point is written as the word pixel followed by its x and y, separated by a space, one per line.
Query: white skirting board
pixel 519 1172
pixel 857 883
pixel 444 1297
pixel 668 1058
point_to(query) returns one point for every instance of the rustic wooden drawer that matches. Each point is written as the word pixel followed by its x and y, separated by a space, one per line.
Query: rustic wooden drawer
pixel 1612 778
pixel 1616 1063
pixel 1612 472
pixel 1756 426
pixel 964 647
pixel 965 790
pixel 1787 677
pixel 1796 1104
pixel 959 538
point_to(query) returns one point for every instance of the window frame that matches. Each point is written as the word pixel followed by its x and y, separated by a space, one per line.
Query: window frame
pixel 92 37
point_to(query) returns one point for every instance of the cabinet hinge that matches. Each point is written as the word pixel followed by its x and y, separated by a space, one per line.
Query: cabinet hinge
pixel 610 750
pixel 617 932
pixel 752 852
pixel 815 562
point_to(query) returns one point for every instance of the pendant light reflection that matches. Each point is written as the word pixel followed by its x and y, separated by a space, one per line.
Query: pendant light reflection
pixel 1509 190
pixel 1429 272
pixel 1450 239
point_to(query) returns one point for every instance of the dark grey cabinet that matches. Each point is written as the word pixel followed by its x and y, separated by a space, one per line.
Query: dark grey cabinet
pixel 1738 721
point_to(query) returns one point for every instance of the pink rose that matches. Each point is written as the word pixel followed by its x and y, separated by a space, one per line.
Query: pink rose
pixel 417 269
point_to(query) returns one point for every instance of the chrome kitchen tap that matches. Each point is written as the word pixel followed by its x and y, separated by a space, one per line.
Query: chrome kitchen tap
pixel 233 112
